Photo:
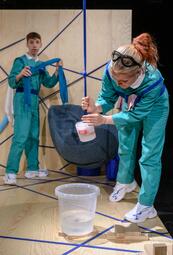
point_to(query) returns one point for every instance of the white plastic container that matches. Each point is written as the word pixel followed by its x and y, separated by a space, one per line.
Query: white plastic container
pixel 85 132
pixel 77 205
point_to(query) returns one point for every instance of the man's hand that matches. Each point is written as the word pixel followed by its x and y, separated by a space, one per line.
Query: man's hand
pixel 26 72
pixel 60 63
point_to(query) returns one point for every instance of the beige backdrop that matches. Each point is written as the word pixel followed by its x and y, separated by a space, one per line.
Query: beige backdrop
pixel 106 30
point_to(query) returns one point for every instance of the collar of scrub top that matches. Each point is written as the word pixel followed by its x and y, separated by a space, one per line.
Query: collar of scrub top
pixel 30 57
pixel 41 68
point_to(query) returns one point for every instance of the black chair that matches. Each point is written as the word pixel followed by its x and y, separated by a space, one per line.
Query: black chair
pixel 92 154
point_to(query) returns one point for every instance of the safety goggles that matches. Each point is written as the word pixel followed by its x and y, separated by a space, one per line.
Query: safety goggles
pixel 126 60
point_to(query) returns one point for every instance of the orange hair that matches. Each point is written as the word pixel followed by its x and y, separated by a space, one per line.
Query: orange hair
pixel 146 46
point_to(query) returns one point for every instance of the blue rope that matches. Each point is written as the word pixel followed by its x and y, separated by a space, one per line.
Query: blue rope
pixel 63 85
pixel 41 68
pixel 84 41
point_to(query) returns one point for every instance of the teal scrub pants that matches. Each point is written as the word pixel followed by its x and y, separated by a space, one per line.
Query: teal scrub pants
pixel 153 136
pixel 26 137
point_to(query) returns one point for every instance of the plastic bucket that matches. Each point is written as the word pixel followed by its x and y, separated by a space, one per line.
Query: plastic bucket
pixel 77 206
pixel 85 132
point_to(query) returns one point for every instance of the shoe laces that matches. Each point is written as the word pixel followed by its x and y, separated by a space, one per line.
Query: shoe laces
pixel 11 177
pixel 136 215
pixel 115 194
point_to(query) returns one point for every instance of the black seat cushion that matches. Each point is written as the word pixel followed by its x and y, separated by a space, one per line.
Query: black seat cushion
pixel 92 154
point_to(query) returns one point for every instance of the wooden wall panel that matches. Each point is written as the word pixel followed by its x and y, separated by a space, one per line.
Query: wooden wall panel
pixel 106 30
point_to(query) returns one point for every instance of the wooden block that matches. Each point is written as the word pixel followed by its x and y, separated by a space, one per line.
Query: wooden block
pixel 127 239
pixel 130 230
pixel 155 249
pixel 128 233
pixel 160 249
pixel 170 249
pixel 136 238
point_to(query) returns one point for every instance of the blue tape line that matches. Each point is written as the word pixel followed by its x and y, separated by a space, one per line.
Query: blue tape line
pixel 4 123
pixel 110 217
pixel 85 178
pixel 156 232
pixel 36 240
pixel 110 249
pixel 20 40
pixel 6 139
pixel 94 70
pixel 60 32
pixel 88 240
pixel 3 70
pixel 64 243
pixel 3 81
pixel 95 78
pixel 96 247
pixel 72 71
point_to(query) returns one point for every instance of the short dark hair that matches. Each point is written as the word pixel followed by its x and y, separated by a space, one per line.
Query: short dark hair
pixel 33 35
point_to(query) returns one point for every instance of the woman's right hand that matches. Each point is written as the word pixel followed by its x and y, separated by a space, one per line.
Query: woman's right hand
pixel 88 104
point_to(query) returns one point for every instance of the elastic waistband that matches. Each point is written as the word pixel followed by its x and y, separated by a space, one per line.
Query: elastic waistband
pixel 33 91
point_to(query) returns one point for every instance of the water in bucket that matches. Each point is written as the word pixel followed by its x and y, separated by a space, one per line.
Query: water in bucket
pixel 85 132
pixel 77 205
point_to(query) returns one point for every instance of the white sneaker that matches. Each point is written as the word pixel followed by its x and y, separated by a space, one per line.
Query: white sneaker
pixel 140 213
pixel 43 173
pixel 32 174
pixel 120 190
pixel 10 179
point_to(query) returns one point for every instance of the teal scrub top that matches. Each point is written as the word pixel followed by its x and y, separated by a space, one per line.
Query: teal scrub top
pixel 108 96
pixel 36 81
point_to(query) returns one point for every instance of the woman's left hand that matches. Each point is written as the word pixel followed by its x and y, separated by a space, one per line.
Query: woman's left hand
pixel 94 119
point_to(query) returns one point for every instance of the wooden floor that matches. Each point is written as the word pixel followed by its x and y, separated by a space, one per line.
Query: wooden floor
pixel 29 223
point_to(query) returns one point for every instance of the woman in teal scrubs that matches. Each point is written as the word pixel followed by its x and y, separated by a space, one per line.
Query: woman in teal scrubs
pixel 131 79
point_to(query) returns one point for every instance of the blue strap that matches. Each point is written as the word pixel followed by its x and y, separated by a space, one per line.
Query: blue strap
pixel 3 123
pixel 125 96
pixel 119 93
pixel 137 100
pixel 162 89
pixel 33 91
pixel 107 72
pixel 27 93
pixel 41 68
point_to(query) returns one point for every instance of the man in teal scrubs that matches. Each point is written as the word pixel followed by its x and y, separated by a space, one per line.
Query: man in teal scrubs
pixel 26 115
pixel 133 81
